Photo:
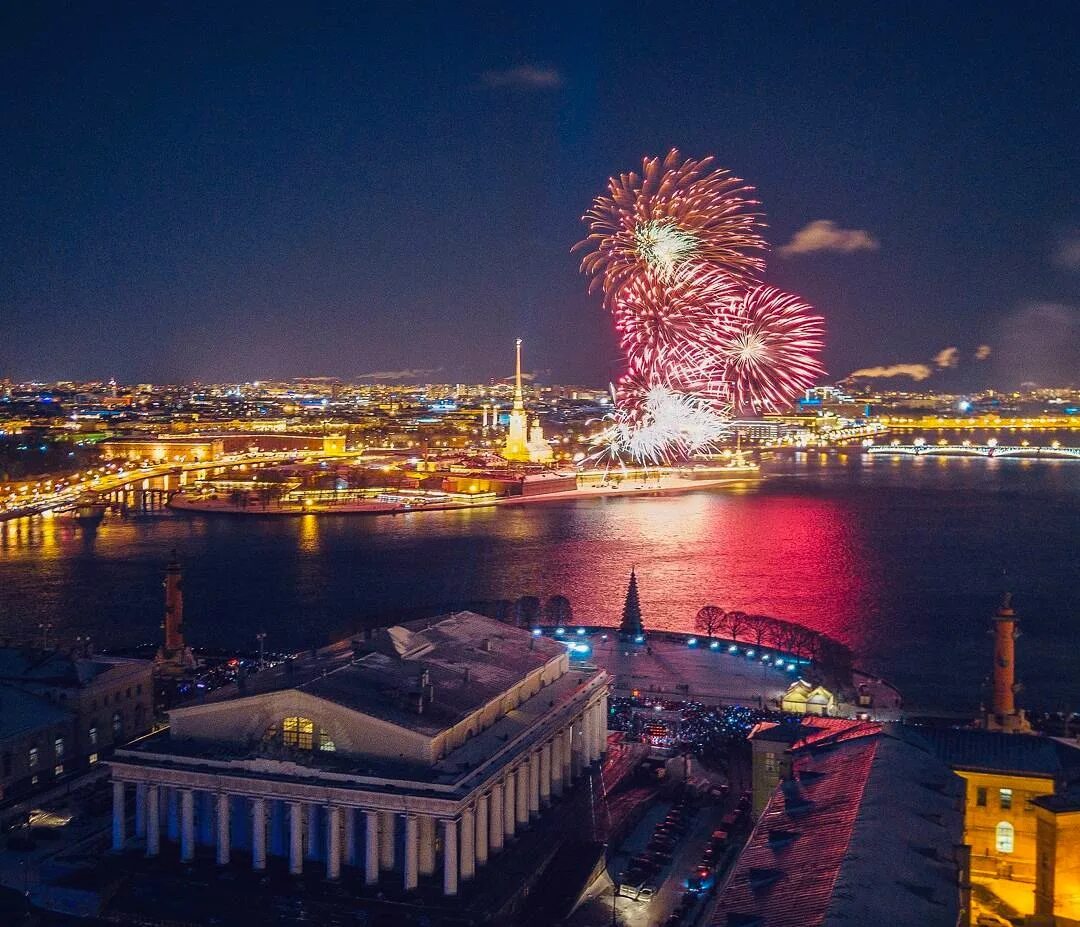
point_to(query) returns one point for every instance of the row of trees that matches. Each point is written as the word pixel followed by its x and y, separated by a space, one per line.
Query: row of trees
pixel 789 636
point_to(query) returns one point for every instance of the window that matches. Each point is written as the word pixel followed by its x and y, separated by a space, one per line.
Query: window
pixel 1005 797
pixel 301 734
pixel 33 758
pixel 93 758
pixel 298 733
pixel 138 689
pixel 91 735
pixel 117 724
pixel 772 763
pixel 1004 835
pixel 980 797
pixel 58 746
pixel 128 693
pixel 58 769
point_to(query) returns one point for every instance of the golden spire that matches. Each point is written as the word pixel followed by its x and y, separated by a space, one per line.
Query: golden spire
pixel 519 398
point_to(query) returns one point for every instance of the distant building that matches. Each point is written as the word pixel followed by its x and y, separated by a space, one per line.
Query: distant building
pixel 802 698
pixel 34 737
pixel 419 751
pixel 863 829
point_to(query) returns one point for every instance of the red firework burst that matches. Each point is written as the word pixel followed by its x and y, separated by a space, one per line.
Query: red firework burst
pixel 769 350
pixel 674 212
pixel 661 323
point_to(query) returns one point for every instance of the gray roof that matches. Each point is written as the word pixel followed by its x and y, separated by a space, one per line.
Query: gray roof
pixel 994 751
pixel 22 713
pixel 51 667
pixel 469 660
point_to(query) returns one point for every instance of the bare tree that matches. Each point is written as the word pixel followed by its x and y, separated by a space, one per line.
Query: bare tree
pixel 709 620
pixel 759 628
pixel 737 624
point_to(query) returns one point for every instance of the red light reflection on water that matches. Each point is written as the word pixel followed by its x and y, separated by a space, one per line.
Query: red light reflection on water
pixel 793 557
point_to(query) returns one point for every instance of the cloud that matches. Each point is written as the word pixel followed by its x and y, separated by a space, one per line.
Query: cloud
pixel 1039 343
pixel 412 374
pixel 947 357
pixel 1067 255
pixel 982 352
pixel 527 76
pixel 915 371
pixel 826 235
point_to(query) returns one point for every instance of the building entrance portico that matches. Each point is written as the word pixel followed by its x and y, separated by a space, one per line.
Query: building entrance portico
pixel 364 821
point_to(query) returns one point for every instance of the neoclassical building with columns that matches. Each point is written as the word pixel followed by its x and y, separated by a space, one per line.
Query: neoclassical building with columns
pixel 418 750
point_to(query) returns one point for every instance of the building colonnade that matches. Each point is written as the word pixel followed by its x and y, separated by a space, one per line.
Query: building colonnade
pixel 426 835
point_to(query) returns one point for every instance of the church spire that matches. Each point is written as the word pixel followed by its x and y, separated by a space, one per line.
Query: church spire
pixel 519 396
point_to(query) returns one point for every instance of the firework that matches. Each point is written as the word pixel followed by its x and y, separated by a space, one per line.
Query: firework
pixel 674 212
pixel 769 350
pixel 661 324
pixel 677 252
pixel 658 425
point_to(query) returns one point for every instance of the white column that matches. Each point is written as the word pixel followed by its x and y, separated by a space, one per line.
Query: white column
pixel 119 825
pixel 495 818
pixel 187 825
pixel 594 732
pixel 534 784
pixel 468 844
pixel 258 834
pixel 140 809
pixel 557 764
pixel 426 855
pixel 577 746
pixel 371 847
pixel 450 858
pixel 153 821
pixel 312 848
pixel 333 843
pixel 509 805
pixel 386 840
pixel 482 829
pixel 568 755
pixel 224 850
pixel 296 838
pixel 605 713
pixel 545 775
pixel 412 852
pixel 349 820
pixel 521 795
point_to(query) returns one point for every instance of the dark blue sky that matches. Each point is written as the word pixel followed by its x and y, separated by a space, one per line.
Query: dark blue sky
pixel 199 190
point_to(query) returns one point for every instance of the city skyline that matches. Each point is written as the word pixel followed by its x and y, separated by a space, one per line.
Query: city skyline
pixel 348 196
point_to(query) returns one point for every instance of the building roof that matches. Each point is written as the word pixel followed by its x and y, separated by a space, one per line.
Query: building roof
pixel 53 667
pixel 463 660
pixel 22 713
pixel 975 750
pixel 862 834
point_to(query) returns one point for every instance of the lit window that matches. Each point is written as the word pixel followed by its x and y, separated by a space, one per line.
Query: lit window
pixel 92 736
pixel 980 797
pixel 298 733
pixel 33 759
pixel 58 744
pixel 117 724
pixel 58 769
pixel 1005 797
pixel 93 758
pixel 1004 835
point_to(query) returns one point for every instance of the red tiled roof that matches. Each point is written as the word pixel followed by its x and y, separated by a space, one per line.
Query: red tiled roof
pixel 786 874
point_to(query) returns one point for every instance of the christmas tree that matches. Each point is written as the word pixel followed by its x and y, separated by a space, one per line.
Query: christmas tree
pixel 631 625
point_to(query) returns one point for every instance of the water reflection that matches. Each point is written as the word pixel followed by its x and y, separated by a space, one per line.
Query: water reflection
pixel 901 557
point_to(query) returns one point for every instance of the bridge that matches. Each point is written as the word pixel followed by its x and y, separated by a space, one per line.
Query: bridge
pixel 977 450
pixel 120 492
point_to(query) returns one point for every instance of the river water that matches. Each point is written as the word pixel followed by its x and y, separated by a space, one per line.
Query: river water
pixel 904 559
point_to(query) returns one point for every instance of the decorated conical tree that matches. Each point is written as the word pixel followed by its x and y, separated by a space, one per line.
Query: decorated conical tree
pixel 631 625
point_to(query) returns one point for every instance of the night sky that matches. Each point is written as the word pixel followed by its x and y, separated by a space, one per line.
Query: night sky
pixel 205 191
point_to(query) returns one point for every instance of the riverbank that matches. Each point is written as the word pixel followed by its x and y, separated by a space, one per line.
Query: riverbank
pixel 667 485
